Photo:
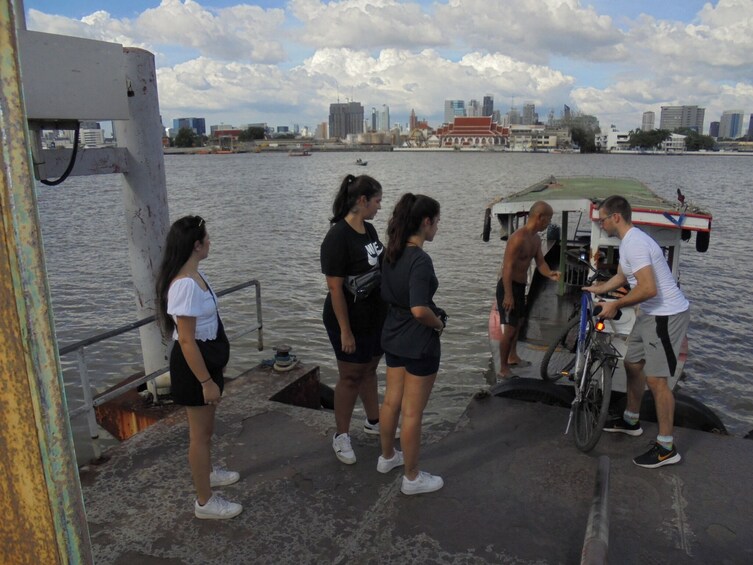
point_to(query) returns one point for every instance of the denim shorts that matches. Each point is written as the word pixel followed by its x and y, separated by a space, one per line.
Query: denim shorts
pixel 368 346
pixel 422 367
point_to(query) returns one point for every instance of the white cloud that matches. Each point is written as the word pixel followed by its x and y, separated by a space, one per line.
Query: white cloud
pixel 206 84
pixel 366 24
pixel 242 32
pixel 717 45
pixel 532 30
pixel 423 80
pixel 98 25
pixel 248 61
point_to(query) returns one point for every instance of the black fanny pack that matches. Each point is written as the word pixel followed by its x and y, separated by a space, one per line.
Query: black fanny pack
pixel 361 286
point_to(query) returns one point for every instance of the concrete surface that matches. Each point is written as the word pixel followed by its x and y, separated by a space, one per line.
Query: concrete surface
pixel 516 491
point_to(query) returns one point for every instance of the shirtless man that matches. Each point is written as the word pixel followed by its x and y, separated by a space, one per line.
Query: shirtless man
pixel 524 244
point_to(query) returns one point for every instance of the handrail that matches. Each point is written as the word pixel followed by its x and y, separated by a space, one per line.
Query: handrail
pixel 90 401
pixel 135 325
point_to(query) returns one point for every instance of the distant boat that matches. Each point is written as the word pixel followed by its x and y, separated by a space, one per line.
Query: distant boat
pixel 361 162
pixel 298 153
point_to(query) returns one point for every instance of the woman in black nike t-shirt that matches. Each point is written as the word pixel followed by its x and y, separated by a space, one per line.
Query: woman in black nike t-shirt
pixel 354 320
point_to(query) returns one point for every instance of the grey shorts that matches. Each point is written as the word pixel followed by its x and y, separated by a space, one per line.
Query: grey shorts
pixel 657 341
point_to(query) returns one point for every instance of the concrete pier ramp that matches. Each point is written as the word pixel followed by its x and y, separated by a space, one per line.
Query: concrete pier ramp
pixel 516 491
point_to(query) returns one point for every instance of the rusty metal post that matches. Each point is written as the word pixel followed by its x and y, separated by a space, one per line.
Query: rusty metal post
pixel 40 494
pixel 145 198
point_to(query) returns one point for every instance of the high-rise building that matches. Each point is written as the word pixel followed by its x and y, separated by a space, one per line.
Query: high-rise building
pixel 513 117
pixel 566 113
pixel 345 118
pixel 383 119
pixel 198 125
pixel 530 117
pixel 647 124
pixel 373 119
pixel 487 108
pixel 676 117
pixel 453 108
pixel 473 110
pixel 321 131
pixel 413 120
pixel 714 129
pixel 750 128
pixel 731 124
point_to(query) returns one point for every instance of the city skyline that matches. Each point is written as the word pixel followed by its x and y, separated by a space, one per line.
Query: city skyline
pixel 284 63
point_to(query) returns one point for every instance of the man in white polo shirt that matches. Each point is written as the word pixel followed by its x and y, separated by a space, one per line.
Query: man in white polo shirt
pixel 660 327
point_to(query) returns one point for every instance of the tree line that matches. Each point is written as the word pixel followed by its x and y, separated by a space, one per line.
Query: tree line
pixel 187 137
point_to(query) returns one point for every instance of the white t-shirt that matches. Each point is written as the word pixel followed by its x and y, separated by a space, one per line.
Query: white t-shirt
pixel 638 250
pixel 186 298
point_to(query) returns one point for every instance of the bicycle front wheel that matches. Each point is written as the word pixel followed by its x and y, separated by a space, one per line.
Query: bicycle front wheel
pixel 559 359
pixel 590 413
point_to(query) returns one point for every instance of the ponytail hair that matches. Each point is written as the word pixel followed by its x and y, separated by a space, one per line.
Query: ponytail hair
pixel 351 189
pixel 183 234
pixel 410 211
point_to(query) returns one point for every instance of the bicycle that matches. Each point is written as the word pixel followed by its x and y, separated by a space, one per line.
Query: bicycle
pixel 587 357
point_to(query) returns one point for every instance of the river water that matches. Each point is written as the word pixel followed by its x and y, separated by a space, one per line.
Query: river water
pixel 267 215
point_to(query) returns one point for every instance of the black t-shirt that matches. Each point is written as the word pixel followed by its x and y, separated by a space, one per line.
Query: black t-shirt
pixel 407 283
pixel 346 252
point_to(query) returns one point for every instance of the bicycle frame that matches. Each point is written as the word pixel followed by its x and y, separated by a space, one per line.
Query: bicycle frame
pixel 582 351
pixel 593 354
pixel 586 306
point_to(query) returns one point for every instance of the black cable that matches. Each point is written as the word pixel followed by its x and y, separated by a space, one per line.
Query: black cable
pixel 70 165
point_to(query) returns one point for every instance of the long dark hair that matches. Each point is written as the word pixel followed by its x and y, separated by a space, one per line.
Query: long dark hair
pixel 351 189
pixel 183 234
pixel 406 220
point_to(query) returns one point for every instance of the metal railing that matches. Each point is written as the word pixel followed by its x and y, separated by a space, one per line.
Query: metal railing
pixel 91 402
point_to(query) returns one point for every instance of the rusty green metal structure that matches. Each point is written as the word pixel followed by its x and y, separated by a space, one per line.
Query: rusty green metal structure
pixel 40 494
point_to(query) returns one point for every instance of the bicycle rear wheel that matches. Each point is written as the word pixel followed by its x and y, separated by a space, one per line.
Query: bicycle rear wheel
pixel 559 359
pixel 590 413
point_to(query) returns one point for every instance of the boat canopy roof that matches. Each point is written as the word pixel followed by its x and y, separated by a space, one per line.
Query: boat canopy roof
pixel 565 194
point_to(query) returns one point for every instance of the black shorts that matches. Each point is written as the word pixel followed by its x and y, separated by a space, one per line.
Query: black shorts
pixel 368 346
pixel 419 367
pixel 185 388
pixel 516 315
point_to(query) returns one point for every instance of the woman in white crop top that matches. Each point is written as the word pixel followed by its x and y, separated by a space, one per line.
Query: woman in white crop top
pixel 187 309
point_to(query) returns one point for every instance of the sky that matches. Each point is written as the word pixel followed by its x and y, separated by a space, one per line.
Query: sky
pixel 284 63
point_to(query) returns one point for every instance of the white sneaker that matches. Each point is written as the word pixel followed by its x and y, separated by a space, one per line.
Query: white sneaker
pixel 343 450
pixel 374 429
pixel 222 478
pixel 424 482
pixel 386 465
pixel 217 508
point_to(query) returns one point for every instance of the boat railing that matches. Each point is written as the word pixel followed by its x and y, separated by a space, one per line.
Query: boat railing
pixel 90 402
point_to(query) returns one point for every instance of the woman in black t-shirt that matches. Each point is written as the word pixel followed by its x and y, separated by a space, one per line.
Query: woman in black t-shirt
pixel 410 338
pixel 354 319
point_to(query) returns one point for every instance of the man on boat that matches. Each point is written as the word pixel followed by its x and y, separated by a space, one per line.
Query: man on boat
pixel 524 244
pixel 660 327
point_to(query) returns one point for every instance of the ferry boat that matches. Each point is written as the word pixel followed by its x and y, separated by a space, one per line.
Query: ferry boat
pixel 575 228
